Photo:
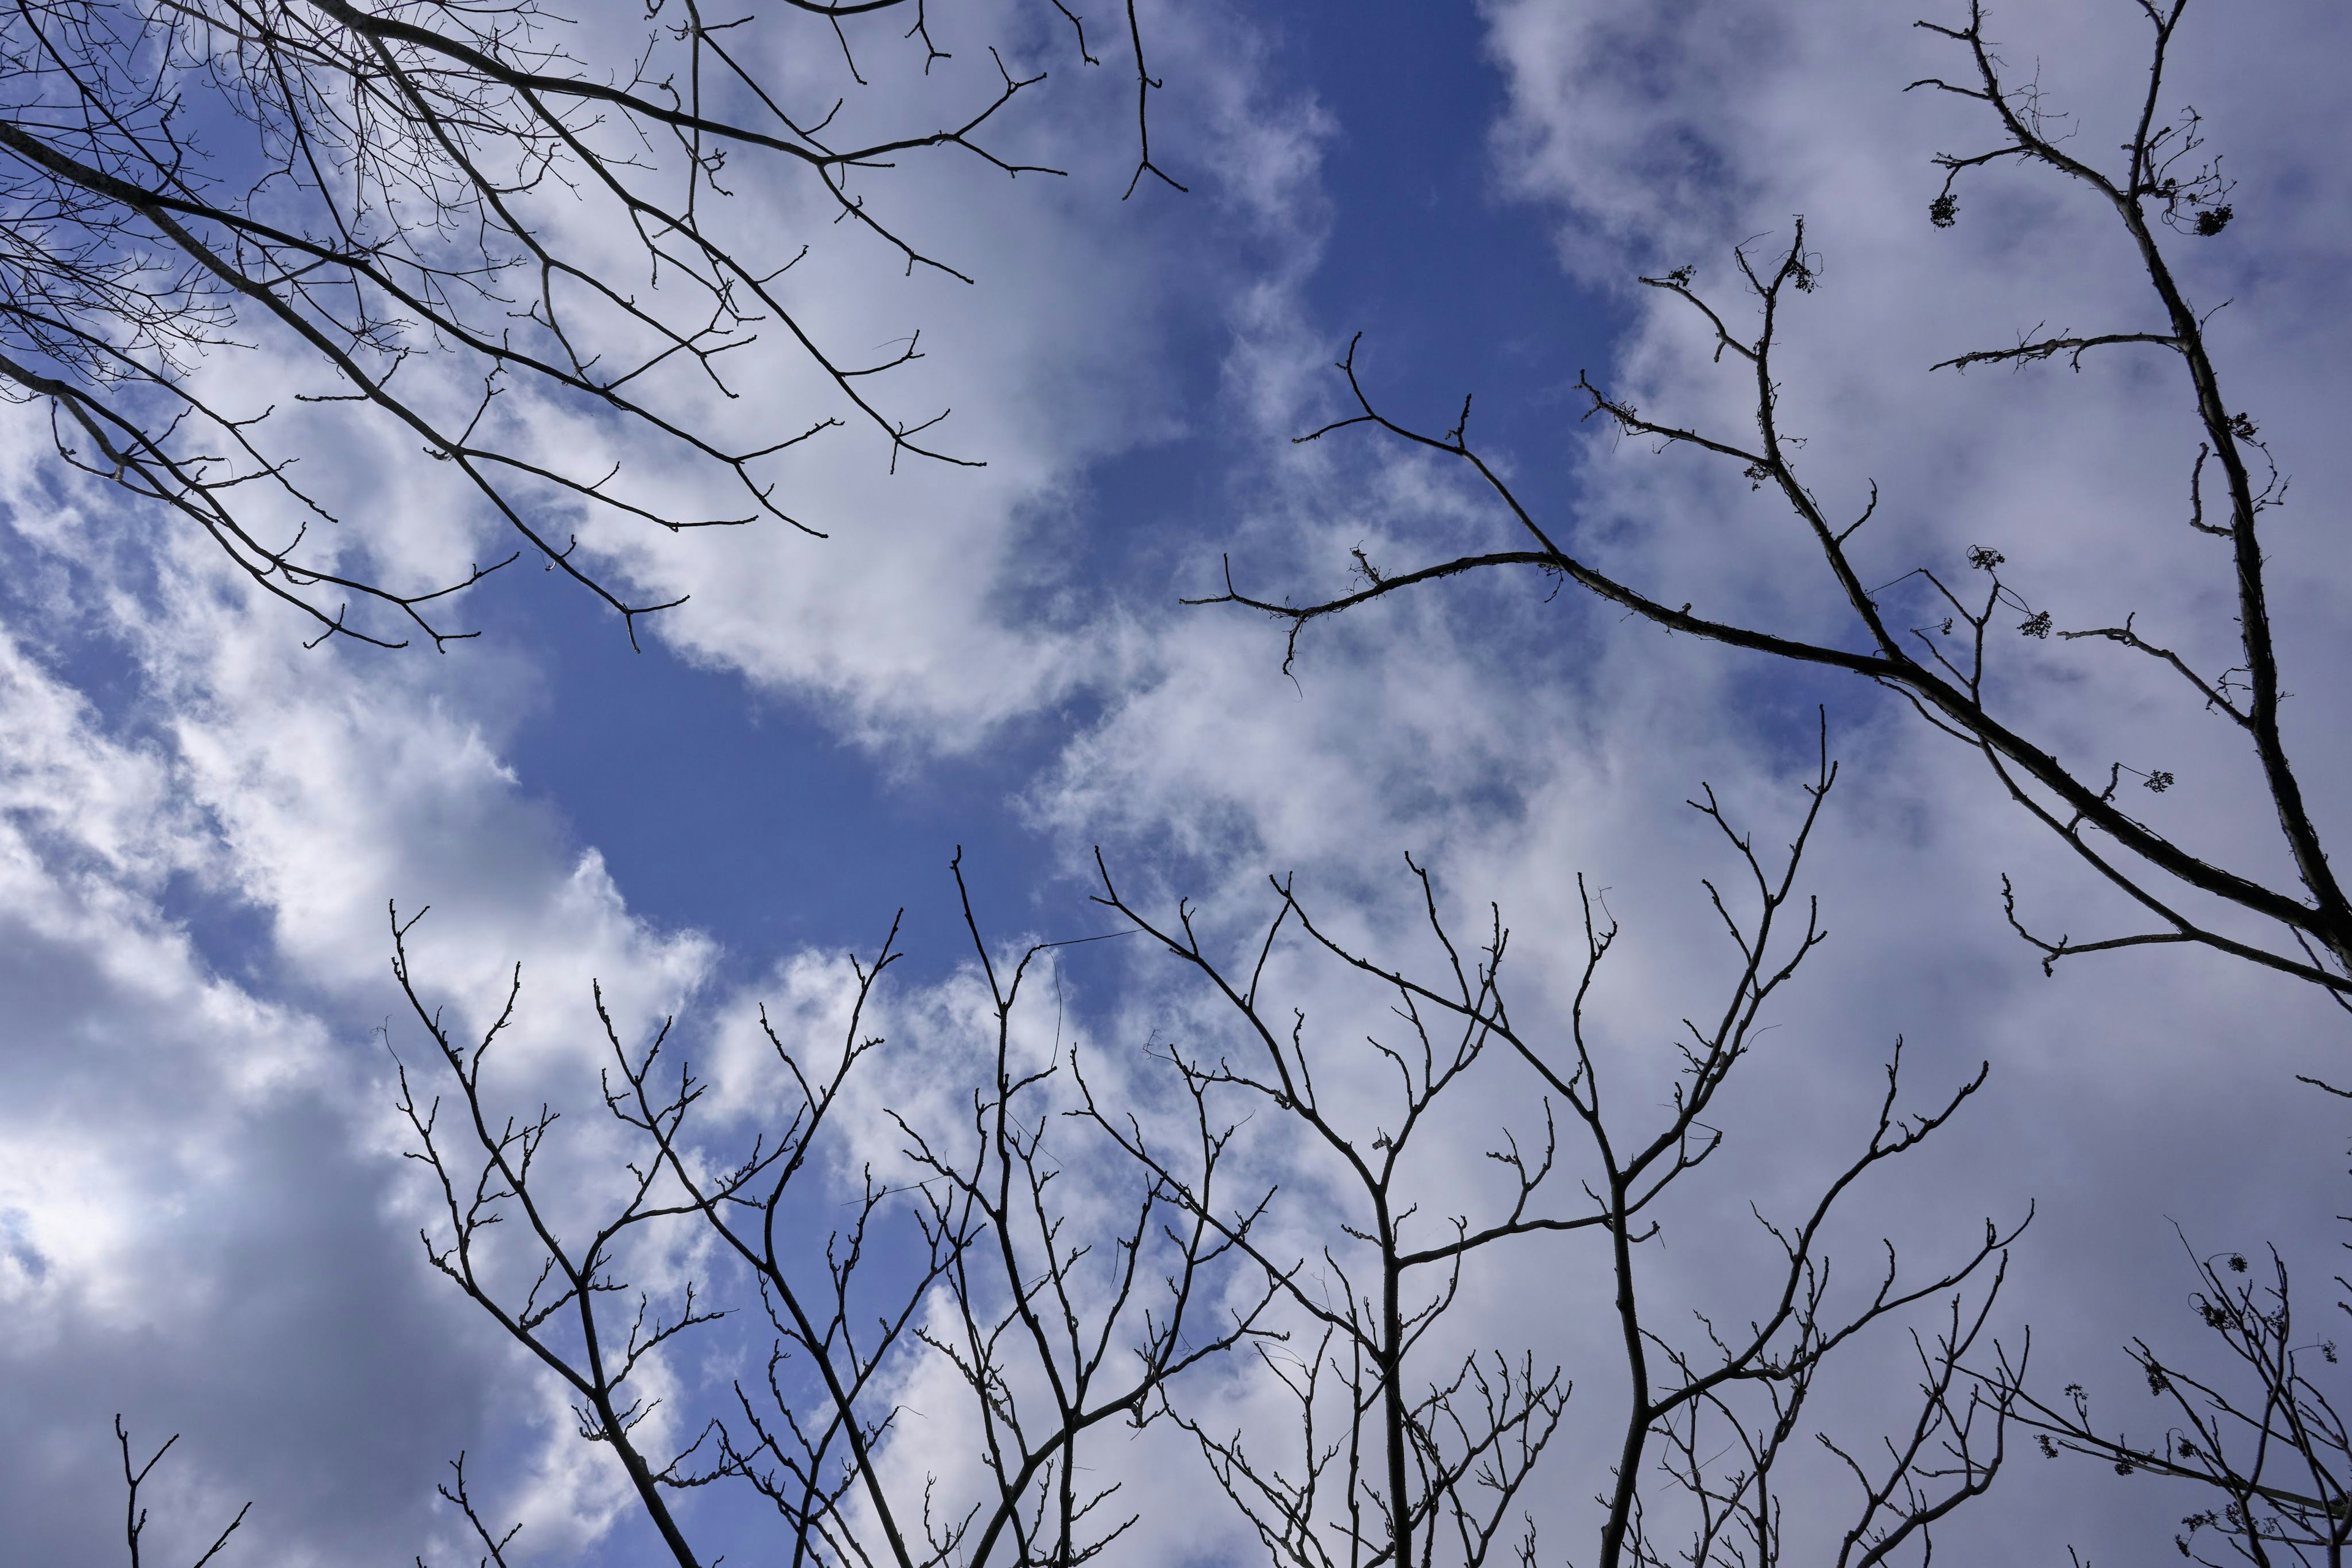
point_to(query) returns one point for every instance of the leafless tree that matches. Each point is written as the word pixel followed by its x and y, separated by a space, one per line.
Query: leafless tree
pixel 371 187
pixel 2259 1426
pixel 2263 1430
pixel 1323 1278
pixel 2166 186
pixel 2263 1433
pixel 1059 1329
pixel 1410 1450
pixel 134 1516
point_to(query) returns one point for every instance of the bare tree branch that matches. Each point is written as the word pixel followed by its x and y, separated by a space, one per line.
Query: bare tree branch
pixel 2167 180
pixel 379 188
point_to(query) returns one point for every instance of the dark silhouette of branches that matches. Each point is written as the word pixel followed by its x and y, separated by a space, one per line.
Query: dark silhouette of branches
pixel 2166 181
pixel 134 1516
pixel 1060 1329
pixel 493 1542
pixel 1064 1314
pixel 2264 1433
pixel 492 199
pixel 1399 1463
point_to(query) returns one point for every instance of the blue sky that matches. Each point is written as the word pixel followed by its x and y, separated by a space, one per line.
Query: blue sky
pixel 208 1226
pixel 743 813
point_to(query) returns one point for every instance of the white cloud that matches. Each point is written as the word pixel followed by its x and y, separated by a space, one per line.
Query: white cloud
pixel 207 1224
pixel 948 600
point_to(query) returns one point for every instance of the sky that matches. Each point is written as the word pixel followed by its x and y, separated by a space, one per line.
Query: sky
pixel 205 1221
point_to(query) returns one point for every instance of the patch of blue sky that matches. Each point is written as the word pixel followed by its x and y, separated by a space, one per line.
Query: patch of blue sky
pixel 747 813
